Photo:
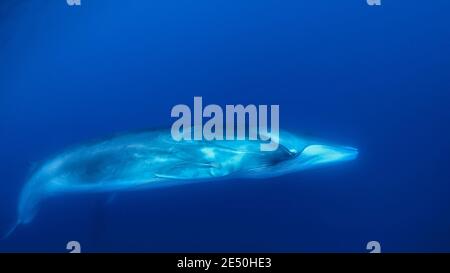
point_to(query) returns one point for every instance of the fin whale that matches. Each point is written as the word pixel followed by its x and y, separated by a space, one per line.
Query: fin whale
pixel 153 159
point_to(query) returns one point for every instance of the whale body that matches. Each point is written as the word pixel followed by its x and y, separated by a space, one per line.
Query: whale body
pixel 153 159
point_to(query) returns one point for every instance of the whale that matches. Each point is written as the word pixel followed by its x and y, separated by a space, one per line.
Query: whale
pixel 150 159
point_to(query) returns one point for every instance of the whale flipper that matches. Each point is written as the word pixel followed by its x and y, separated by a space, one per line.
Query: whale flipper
pixel 111 198
pixel 188 170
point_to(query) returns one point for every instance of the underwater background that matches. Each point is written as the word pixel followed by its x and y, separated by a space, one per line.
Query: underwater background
pixel 373 77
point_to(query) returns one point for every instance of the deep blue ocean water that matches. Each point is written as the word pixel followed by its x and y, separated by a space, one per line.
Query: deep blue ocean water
pixel 376 78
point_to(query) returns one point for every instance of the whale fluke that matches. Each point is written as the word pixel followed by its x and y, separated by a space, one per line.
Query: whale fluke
pixel 11 230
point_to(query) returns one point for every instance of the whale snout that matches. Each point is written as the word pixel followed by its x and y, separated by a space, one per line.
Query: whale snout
pixel 320 154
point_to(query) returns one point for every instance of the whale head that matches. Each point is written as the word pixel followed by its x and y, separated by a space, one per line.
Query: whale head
pixel 306 153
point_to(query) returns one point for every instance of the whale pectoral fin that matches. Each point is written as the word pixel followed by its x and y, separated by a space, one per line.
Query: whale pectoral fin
pixel 219 171
pixel 111 198
pixel 187 170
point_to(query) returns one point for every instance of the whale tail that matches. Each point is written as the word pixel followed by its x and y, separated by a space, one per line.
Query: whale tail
pixel 11 230
pixel 29 200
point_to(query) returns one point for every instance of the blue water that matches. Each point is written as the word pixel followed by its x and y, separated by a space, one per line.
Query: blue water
pixel 376 78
